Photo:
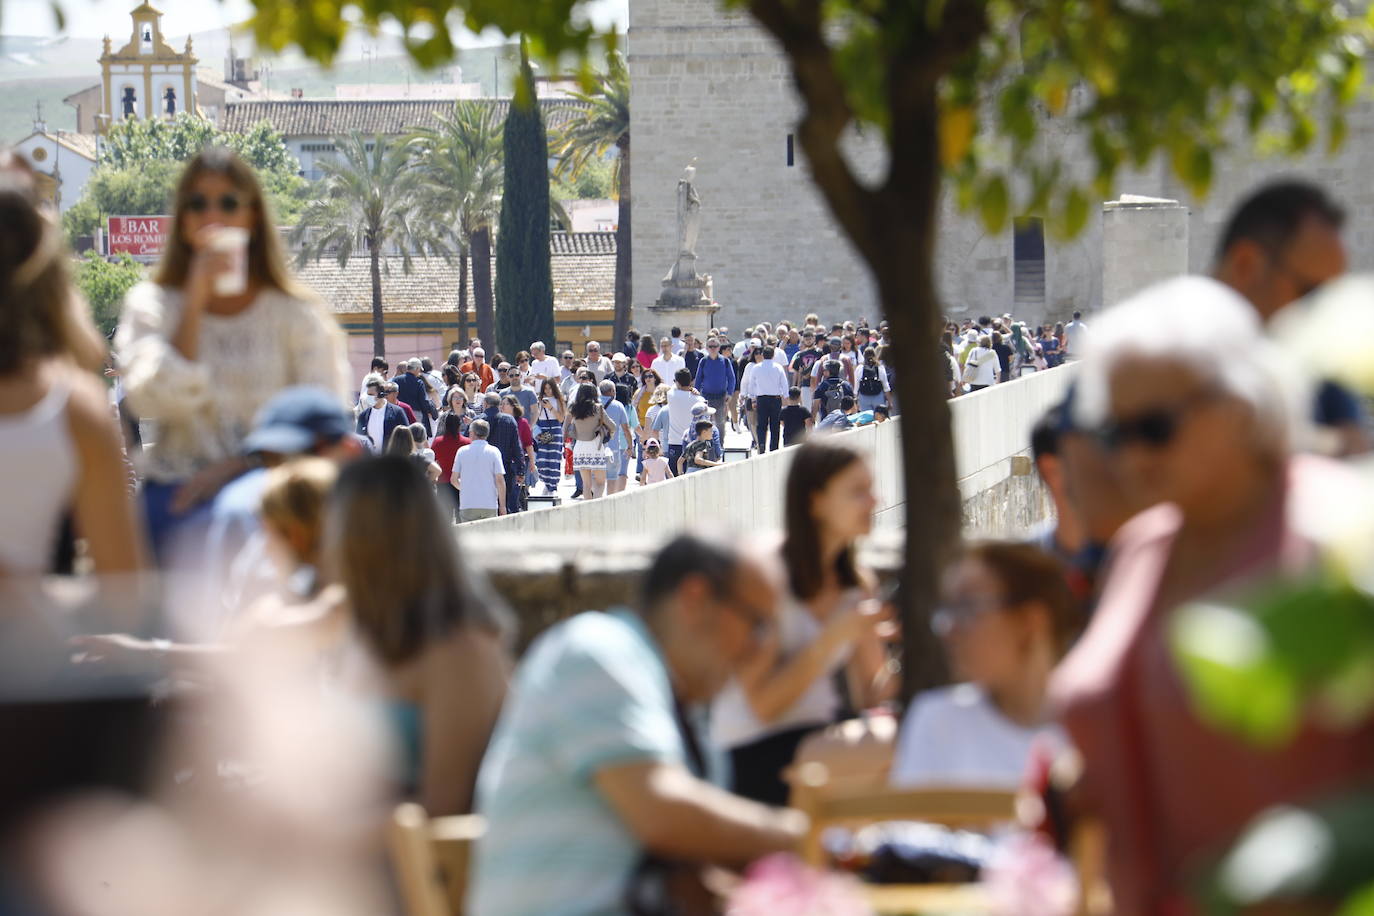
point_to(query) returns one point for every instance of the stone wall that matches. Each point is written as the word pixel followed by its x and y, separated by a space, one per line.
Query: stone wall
pixel 1145 240
pixel 708 83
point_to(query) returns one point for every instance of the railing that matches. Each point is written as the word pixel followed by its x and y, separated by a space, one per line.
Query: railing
pixel 990 428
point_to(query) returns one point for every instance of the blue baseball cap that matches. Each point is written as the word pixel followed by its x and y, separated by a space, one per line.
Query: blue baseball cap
pixel 295 420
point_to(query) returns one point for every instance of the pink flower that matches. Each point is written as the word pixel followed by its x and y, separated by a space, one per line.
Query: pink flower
pixel 1026 877
pixel 781 885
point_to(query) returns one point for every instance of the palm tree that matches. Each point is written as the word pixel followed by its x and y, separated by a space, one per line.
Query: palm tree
pixel 462 159
pixel 374 196
pixel 603 123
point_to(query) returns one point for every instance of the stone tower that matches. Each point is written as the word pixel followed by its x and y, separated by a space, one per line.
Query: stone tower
pixel 709 85
pixel 146 78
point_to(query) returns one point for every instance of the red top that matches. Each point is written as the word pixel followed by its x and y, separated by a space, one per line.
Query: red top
pixel 647 360
pixel 407 410
pixel 445 448
pixel 526 433
pixel 1169 786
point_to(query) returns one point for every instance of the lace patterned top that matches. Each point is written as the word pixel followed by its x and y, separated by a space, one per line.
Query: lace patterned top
pixel 204 408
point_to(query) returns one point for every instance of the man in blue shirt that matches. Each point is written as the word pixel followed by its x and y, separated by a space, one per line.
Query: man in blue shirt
pixel 715 379
pixel 505 437
pixel 412 391
pixel 594 763
pixel 615 465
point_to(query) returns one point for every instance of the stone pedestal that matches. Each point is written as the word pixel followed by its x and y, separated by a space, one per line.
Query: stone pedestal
pixel 1144 241
pixel 696 318
pixel 685 302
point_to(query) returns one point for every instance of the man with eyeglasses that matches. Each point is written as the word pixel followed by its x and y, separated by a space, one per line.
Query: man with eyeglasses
pixel 595 762
pixel 1281 243
pixel 393 393
pixel 378 417
pixel 479 367
pixel 715 379
pixel 501 381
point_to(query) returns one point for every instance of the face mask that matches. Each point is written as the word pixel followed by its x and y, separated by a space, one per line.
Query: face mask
pixel 367 401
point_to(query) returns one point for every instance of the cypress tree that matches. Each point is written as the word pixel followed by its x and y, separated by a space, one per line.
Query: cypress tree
pixel 524 279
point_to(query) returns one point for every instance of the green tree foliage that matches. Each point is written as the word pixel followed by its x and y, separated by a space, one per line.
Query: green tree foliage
pixel 104 284
pixel 524 280
pixel 141 160
pixel 582 145
pixel 371 199
pixel 964 90
pixel 595 181
pixel 462 159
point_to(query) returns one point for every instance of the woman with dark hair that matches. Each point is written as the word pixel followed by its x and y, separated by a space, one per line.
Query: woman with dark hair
pixel 436 627
pixel 219 329
pixel 640 403
pixel 1007 618
pixel 510 406
pixel 590 429
pixel 872 386
pixel 1004 354
pixel 59 444
pixel 549 440
pixel 648 352
pixel 445 446
pixel 825 659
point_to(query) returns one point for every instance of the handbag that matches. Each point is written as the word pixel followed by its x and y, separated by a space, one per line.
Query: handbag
pixel 970 376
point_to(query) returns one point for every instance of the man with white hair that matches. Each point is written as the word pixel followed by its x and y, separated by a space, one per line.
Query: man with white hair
pixel 411 390
pixel 479 367
pixel 596 362
pixel 543 366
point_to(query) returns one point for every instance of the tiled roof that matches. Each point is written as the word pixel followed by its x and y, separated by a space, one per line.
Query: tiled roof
pixel 580 281
pixel 582 243
pixel 81 144
pixel 333 117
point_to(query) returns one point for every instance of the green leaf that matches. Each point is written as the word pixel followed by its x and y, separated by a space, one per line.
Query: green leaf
pixel 994 202
pixel 1077 209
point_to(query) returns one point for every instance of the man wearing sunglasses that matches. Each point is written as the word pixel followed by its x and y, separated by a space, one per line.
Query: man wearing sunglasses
pixel 1282 243
pixel 715 379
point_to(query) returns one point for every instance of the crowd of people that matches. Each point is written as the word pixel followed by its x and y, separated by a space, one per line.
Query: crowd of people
pixel 329 586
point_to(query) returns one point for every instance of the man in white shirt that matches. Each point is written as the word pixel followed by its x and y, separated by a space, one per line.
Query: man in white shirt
pixel 666 363
pixel 542 366
pixel 677 343
pixel 681 400
pixel 600 365
pixel 765 383
pixel 479 474
pixel 1075 336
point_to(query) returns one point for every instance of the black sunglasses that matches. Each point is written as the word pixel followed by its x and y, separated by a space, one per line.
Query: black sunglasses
pixel 1152 428
pixel 227 203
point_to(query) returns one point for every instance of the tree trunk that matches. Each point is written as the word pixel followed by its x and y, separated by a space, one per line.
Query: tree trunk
pixel 378 321
pixel 463 254
pixel 624 292
pixel 481 289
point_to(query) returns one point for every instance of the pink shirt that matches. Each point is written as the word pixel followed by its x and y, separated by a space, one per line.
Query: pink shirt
pixel 655 469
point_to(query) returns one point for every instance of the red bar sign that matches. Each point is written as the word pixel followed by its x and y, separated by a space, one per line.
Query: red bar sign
pixel 140 236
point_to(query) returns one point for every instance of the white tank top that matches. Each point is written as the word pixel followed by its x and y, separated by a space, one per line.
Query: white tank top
pixel 733 723
pixel 39 462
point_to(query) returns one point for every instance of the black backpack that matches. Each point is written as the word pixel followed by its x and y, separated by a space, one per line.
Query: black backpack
pixel 870 384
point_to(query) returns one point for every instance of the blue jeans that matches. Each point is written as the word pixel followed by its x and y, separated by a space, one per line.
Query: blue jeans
pixel 165 526
pixel 870 401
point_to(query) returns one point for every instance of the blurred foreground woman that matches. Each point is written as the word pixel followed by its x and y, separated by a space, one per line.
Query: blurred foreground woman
pixel 1204 435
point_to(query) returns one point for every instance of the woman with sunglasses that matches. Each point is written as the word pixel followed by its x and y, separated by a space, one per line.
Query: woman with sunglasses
pixel 825 659
pixel 456 403
pixel 1008 617
pixel 551 414
pixel 219 330
pixel 1205 438
pixel 649 382
pixel 471 383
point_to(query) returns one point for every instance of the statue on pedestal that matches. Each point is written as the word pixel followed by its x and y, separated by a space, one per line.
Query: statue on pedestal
pixel 683 286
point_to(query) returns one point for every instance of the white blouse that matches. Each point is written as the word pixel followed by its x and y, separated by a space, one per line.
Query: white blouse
pixel 205 407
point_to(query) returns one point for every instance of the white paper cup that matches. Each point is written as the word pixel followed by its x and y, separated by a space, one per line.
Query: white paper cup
pixel 233 242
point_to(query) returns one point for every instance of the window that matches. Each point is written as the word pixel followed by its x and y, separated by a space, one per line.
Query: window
pixel 317 148
pixel 791 156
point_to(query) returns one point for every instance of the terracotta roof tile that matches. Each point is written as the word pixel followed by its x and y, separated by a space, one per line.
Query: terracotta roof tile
pixel 583 280
pixel 333 117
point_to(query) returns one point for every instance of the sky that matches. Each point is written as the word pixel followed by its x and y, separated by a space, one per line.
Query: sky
pixel 93 18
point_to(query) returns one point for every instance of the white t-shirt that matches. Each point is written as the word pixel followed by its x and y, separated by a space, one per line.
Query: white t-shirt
pixel 478 465
pixel 1075 334
pixel 680 404
pixel 667 368
pixel 988 365
pixel 547 367
pixel 954 736
pixel 376 425
pixel 677 345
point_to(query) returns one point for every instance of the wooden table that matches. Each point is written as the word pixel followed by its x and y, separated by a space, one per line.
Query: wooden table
pixel 927 899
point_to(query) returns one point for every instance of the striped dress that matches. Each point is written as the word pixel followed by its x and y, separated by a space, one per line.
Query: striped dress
pixel 548 457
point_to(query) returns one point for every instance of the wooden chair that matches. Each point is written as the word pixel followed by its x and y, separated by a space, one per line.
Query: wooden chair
pixel 431 857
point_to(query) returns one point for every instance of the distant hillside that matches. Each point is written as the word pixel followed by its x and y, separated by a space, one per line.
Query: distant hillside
pixel 17 98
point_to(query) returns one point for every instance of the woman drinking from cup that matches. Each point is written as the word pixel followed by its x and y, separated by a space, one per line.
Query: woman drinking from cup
pixel 219 329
